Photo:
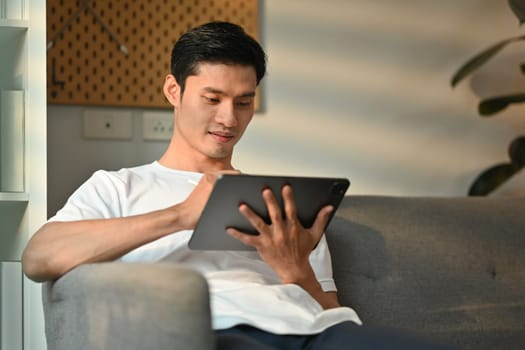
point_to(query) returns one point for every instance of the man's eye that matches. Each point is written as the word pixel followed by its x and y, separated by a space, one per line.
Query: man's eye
pixel 244 103
pixel 212 100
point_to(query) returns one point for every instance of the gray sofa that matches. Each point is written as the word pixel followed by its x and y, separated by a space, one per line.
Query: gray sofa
pixel 449 269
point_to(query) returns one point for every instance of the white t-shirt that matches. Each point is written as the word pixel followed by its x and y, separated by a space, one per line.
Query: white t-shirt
pixel 243 288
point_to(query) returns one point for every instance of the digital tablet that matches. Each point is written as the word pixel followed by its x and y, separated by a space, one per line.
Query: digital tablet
pixel 222 209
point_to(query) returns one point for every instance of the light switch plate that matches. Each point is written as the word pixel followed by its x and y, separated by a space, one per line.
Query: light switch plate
pixel 108 124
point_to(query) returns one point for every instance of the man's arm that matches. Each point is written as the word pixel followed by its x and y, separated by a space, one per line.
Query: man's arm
pixel 58 247
pixel 286 245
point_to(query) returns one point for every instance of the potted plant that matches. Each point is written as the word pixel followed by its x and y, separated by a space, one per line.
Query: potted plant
pixel 491 178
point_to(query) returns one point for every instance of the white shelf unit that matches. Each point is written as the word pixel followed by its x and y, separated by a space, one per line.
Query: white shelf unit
pixel 13 23
pixel 22 166
pixel 14 197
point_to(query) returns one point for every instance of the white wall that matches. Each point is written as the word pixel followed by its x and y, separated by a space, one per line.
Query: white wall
pixel 355 88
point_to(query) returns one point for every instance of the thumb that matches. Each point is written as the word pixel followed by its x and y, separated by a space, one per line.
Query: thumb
pixel 211 177
pixel 247 239
pixel 321 220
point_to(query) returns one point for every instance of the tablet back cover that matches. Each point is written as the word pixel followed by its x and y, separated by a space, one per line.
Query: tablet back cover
pixel 222 209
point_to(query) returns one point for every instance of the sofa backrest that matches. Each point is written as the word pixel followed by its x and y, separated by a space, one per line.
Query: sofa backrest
pixel 449 268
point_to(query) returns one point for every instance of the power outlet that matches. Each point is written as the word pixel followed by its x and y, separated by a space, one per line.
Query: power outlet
pixel 114 125
pixel 157 126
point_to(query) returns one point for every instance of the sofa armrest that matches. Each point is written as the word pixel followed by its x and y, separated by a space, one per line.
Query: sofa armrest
pixel 128 306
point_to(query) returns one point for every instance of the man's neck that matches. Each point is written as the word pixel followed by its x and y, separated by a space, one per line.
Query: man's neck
pixel 194 164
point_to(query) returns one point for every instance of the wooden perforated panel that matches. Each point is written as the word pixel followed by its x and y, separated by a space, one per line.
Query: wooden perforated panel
pixel 86 66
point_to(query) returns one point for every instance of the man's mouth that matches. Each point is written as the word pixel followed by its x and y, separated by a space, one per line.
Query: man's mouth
pixel 222 137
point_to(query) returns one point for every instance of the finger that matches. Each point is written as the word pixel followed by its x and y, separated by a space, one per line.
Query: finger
pixel 208 179
pixel 289 203
pixel 245 238
pixel 274 210
pixel 212 177
pixel 257 222
pixel 321 220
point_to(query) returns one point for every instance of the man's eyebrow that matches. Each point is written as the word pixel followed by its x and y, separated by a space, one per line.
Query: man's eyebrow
pixel 220 92
pixel 248 94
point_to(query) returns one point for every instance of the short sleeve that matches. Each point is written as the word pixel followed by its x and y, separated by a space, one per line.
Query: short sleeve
pixel 97 198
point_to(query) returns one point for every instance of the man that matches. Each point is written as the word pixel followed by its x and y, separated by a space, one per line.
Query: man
pixel 280 296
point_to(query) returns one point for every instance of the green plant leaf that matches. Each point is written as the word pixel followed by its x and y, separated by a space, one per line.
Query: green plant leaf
pixel 518 7
pixel 517 152
pixel 479 59
pixel 496 104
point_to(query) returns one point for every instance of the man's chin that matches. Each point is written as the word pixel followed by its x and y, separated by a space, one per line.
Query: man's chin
pixel 220 153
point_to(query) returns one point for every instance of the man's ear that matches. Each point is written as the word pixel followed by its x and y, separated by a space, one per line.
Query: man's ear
pixel 172 90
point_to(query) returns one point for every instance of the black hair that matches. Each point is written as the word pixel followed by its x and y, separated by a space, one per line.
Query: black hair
pixel 215 42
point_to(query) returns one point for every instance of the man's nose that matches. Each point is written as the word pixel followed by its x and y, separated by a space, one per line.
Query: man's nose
pixel 226 115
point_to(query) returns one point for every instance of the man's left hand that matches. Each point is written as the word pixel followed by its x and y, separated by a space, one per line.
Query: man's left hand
pixel 284 244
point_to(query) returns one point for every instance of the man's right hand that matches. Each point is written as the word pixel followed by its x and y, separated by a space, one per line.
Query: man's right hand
pixel 191 208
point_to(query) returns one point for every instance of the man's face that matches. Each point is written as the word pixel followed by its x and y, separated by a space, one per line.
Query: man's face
pixel 214 110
